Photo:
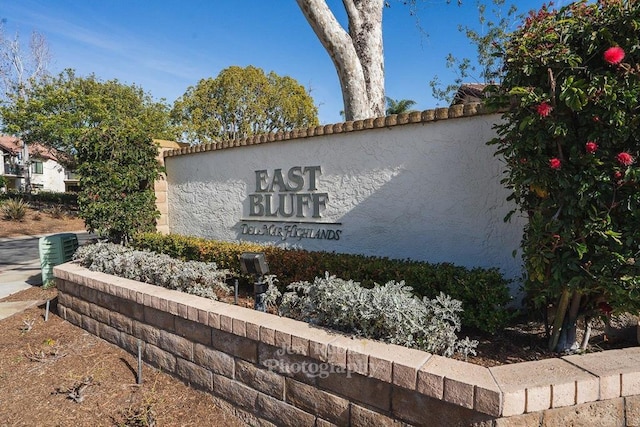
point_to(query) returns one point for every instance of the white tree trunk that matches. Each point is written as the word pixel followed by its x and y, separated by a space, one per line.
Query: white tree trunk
pixel 357 55
pixel 18 69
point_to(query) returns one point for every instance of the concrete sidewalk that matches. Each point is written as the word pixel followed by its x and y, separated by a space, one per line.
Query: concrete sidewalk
pixel 20 272
pixel 15 279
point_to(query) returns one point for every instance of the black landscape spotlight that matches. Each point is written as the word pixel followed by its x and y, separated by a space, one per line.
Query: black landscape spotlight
pixel 255 263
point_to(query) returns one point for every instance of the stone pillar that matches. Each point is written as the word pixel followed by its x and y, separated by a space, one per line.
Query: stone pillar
pixel 161 187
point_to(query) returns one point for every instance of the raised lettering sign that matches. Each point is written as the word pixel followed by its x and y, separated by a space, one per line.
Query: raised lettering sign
pixel 289 197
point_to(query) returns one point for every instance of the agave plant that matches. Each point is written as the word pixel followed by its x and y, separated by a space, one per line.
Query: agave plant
pixel 14 210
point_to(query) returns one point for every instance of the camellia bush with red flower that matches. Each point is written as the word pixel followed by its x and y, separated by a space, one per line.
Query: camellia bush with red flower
pixel 571 140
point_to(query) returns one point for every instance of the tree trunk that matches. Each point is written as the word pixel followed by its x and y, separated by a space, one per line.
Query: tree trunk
pixel 357 55
pixel 563 338
pixel 567 342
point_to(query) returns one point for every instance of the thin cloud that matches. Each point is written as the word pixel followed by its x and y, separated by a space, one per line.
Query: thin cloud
pixel 104 38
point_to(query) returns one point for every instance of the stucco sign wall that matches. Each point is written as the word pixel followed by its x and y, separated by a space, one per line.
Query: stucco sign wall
pixel 426 191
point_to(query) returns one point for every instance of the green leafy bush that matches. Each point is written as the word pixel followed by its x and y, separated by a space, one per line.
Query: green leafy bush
pixel 69 200
pixel 193 277
pixel 118 167
pixel 14 210
pixel 484 292
pixel 571 143
pixel 389 313
pixel 224 254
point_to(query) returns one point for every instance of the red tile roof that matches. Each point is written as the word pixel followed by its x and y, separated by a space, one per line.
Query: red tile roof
pixel 14 145
pixel 469 93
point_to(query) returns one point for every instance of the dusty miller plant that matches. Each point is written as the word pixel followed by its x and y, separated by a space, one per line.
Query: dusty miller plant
pixel 273 294
pixel 389 313
pixel 193 277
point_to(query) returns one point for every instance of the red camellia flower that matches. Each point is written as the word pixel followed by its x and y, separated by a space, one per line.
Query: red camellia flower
pixel 591 147
pixel 544 109
pixel 605 308
pixel 624 159
pixel 614 55
pixel 555 163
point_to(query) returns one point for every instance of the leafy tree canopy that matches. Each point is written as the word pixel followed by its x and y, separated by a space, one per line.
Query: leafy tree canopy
pixel 106 130
pixel 241 102
pixel 62 108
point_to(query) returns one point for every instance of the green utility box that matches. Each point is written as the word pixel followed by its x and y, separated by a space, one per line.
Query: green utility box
pixel 55 250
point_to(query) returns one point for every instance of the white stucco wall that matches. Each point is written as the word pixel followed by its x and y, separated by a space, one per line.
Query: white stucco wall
pixel 426 191
pixel 52 177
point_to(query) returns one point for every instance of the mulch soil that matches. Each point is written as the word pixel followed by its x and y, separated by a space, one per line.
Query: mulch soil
pixel 56 374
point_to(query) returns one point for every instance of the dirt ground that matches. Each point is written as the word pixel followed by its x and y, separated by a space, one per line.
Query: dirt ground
pixel 42 221
pixel 526 341
pixel 56 374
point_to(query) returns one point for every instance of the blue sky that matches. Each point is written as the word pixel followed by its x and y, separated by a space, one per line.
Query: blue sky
pixel 165 46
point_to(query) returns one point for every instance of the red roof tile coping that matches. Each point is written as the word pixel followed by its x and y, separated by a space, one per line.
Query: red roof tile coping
pixel 453 112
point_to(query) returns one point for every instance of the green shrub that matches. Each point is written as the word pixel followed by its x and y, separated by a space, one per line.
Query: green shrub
pixel 484 292
pixel 118 167
pixel 11 194
pixel 44 198
pixel 69 200
pixel 14 210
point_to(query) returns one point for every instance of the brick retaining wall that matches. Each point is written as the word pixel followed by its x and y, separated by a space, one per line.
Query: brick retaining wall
pixel 285 372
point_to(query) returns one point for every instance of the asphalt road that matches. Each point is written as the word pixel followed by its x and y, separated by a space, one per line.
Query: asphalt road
pixel 24 250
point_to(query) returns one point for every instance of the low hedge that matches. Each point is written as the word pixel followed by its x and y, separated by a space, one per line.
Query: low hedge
pixel 484 292
pixel 68 199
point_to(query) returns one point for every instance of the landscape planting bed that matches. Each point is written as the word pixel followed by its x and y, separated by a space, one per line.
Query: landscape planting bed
pixel 289 372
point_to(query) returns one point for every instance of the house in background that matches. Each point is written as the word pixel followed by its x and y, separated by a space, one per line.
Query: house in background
pixel 469 93
pixel 39 167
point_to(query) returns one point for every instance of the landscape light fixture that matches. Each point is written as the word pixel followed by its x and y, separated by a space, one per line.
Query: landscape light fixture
pixel 255 263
